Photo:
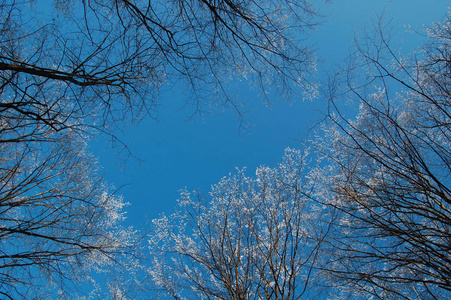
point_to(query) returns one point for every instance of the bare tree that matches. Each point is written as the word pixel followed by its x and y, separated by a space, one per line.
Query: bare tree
pixel 57 220
pixel 68 62
pixel 254 239
pixel 390 171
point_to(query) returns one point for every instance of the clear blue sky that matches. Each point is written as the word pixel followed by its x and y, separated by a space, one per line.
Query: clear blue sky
pixel 195 154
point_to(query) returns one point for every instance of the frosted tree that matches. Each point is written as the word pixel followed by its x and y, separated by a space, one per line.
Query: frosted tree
pixel 251 238
pixel 389 171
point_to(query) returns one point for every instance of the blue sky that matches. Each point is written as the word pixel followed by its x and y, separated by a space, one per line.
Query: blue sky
pixel 176 152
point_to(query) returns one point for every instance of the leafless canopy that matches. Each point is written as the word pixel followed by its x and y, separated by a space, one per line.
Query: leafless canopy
pixel 69 66
pixel 71 60
pixel 391 168
pixel 254 239
pixel 57 220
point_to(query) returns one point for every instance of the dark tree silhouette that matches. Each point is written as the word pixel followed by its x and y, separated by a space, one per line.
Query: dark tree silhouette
pixel 69 61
